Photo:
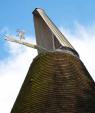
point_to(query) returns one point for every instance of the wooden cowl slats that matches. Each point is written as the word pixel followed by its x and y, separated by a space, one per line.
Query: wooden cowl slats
pixel 48 35
pixel 56 83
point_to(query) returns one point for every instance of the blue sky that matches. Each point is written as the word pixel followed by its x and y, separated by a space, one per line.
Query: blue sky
pixel 16 14
pixel 75 18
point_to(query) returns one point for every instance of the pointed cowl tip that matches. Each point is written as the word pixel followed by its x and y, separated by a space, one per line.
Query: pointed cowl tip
pixel 37 10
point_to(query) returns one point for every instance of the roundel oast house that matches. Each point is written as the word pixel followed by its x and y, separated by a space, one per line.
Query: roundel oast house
pixel 57 80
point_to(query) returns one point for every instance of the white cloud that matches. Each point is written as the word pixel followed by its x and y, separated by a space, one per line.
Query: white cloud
pixel 12 73
pixel 14 68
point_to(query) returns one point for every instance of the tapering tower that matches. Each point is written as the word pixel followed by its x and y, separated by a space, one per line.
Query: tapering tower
pixel 57 81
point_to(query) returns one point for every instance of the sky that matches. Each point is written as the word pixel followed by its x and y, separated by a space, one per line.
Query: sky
pixel 75 19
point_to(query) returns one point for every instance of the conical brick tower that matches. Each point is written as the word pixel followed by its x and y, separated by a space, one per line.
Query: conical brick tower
pixel 57 80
